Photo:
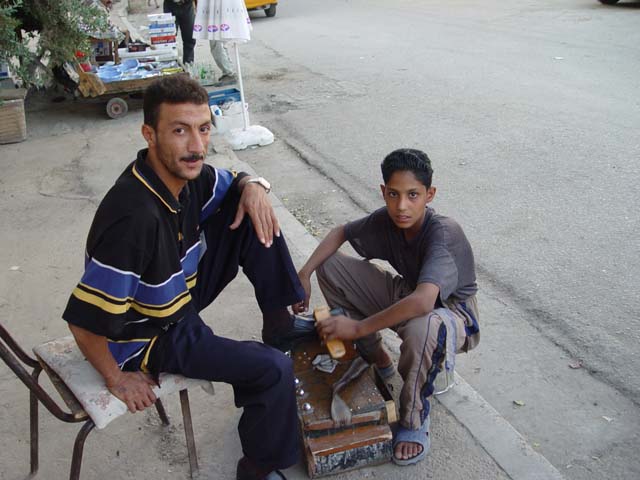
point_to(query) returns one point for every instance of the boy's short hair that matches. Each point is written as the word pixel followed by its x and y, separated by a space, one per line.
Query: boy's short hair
pixel 408 159
pixel 171 89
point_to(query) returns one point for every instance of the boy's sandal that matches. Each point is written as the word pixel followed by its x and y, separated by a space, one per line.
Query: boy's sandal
pixel 387 372
pixel 420 436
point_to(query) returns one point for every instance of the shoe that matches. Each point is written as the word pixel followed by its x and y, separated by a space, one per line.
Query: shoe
pixel 246 471
pixel 387 372
pixel 304 328
pixel 228 78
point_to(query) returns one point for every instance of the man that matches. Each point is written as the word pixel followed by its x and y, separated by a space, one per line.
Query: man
pixel 185 16
pixel 166 239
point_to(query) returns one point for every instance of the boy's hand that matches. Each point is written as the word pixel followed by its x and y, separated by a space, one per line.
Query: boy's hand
pixel 340 327
pixel 305 281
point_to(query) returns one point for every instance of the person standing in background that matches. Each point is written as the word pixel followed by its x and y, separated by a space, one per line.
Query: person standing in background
pixel 221 57
pixel 185 16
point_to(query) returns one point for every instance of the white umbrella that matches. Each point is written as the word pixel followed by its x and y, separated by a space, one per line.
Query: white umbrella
pixel 228 21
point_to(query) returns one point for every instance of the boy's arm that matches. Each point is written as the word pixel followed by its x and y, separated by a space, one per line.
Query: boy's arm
pixel 328 246
pixel 133 388
pixel 418 303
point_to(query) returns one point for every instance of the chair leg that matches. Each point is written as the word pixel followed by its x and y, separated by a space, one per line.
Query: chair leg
pixel 78 447
pixel 33 424
pixel 188 432
pixel 162 412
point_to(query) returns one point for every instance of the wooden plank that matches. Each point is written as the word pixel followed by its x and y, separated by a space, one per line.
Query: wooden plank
pixel 90 84
pixel 349 439
pixel 132 86
pixel 348 450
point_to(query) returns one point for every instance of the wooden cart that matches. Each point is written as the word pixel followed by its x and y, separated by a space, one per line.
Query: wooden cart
pixel 115 93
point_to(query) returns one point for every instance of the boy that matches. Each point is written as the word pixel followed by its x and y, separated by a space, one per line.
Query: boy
pixel 431 304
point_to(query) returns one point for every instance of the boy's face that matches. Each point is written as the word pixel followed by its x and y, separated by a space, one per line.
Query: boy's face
pixel 406 198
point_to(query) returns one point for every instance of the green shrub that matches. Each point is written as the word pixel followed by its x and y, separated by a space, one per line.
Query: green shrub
pixel 39 35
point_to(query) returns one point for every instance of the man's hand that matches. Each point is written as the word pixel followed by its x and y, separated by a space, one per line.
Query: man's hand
pixel 340 327
pixel 254 201
pixel 134 389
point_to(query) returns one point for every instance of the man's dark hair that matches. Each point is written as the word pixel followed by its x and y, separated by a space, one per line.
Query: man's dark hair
pixel 408 160
pixel 171 89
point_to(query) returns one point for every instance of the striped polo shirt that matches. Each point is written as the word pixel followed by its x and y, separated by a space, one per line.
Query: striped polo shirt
pixel 142 257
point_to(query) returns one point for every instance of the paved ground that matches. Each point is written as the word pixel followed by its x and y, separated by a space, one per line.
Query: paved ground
pixel 51 187
pixel 52 184
pixel 534 154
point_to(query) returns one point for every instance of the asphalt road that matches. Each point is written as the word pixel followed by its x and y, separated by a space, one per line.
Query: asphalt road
pixel 530 112
pixel 531 115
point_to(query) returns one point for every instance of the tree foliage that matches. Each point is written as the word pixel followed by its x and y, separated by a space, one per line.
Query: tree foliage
pixel 38 35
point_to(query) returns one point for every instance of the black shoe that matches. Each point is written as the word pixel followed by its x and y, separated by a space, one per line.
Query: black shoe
pixel 304 329
pixel 247 471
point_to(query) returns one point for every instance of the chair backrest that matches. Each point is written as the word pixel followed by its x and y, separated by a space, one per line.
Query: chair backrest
pixel 16 359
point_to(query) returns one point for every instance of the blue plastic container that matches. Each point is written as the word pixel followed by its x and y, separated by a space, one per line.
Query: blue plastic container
pixel 218 97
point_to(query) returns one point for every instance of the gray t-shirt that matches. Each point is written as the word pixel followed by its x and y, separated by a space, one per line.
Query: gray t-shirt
pixel 440 254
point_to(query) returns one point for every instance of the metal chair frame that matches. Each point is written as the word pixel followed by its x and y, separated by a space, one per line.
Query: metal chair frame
pixel 16 359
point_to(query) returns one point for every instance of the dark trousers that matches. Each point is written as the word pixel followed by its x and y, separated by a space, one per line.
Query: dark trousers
pixel 261 376
pixel 185 17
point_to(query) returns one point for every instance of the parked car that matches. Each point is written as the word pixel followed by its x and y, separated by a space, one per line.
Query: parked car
pixel 609 2
pixel 269 6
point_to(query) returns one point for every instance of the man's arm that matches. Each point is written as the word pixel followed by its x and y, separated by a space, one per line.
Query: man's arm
pixel 418 303
pixel 133 388
pixel 328 246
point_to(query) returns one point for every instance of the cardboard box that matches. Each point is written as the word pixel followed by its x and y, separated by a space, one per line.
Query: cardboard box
pixel 13 124
pixel 163 39
pixel 154 32
pixel 161 17
pixel 4 70
pixel 136 47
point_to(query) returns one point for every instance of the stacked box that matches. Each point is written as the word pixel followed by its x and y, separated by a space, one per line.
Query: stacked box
pixel 162 30
pixel 4 70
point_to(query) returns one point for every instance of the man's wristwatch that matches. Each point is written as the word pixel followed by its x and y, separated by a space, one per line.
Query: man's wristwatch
pixel 262 182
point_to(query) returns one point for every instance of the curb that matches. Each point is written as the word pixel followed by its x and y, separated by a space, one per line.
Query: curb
pixel 492 431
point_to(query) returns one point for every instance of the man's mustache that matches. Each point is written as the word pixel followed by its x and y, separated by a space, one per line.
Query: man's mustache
pixel 193 158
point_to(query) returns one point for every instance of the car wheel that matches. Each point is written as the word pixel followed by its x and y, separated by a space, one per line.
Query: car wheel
pixel 271 11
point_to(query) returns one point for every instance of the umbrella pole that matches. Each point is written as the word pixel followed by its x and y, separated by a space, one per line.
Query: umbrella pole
pixel 245 114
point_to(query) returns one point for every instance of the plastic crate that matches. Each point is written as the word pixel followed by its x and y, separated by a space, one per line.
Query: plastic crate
pixel 218 97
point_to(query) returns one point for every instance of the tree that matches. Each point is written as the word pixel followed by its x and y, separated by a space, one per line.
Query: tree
pixel 39 35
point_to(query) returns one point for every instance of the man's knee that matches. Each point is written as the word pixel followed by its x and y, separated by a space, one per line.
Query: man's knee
pixel 278 368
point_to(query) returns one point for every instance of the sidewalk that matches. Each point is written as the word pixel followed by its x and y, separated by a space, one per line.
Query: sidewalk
pixel 51 186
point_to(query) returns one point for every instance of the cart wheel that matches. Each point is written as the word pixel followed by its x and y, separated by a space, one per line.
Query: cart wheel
pixel 117 107
pixel 271 11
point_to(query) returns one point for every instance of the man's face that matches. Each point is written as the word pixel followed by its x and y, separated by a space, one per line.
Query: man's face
pixel 179 143
pixel 406 198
